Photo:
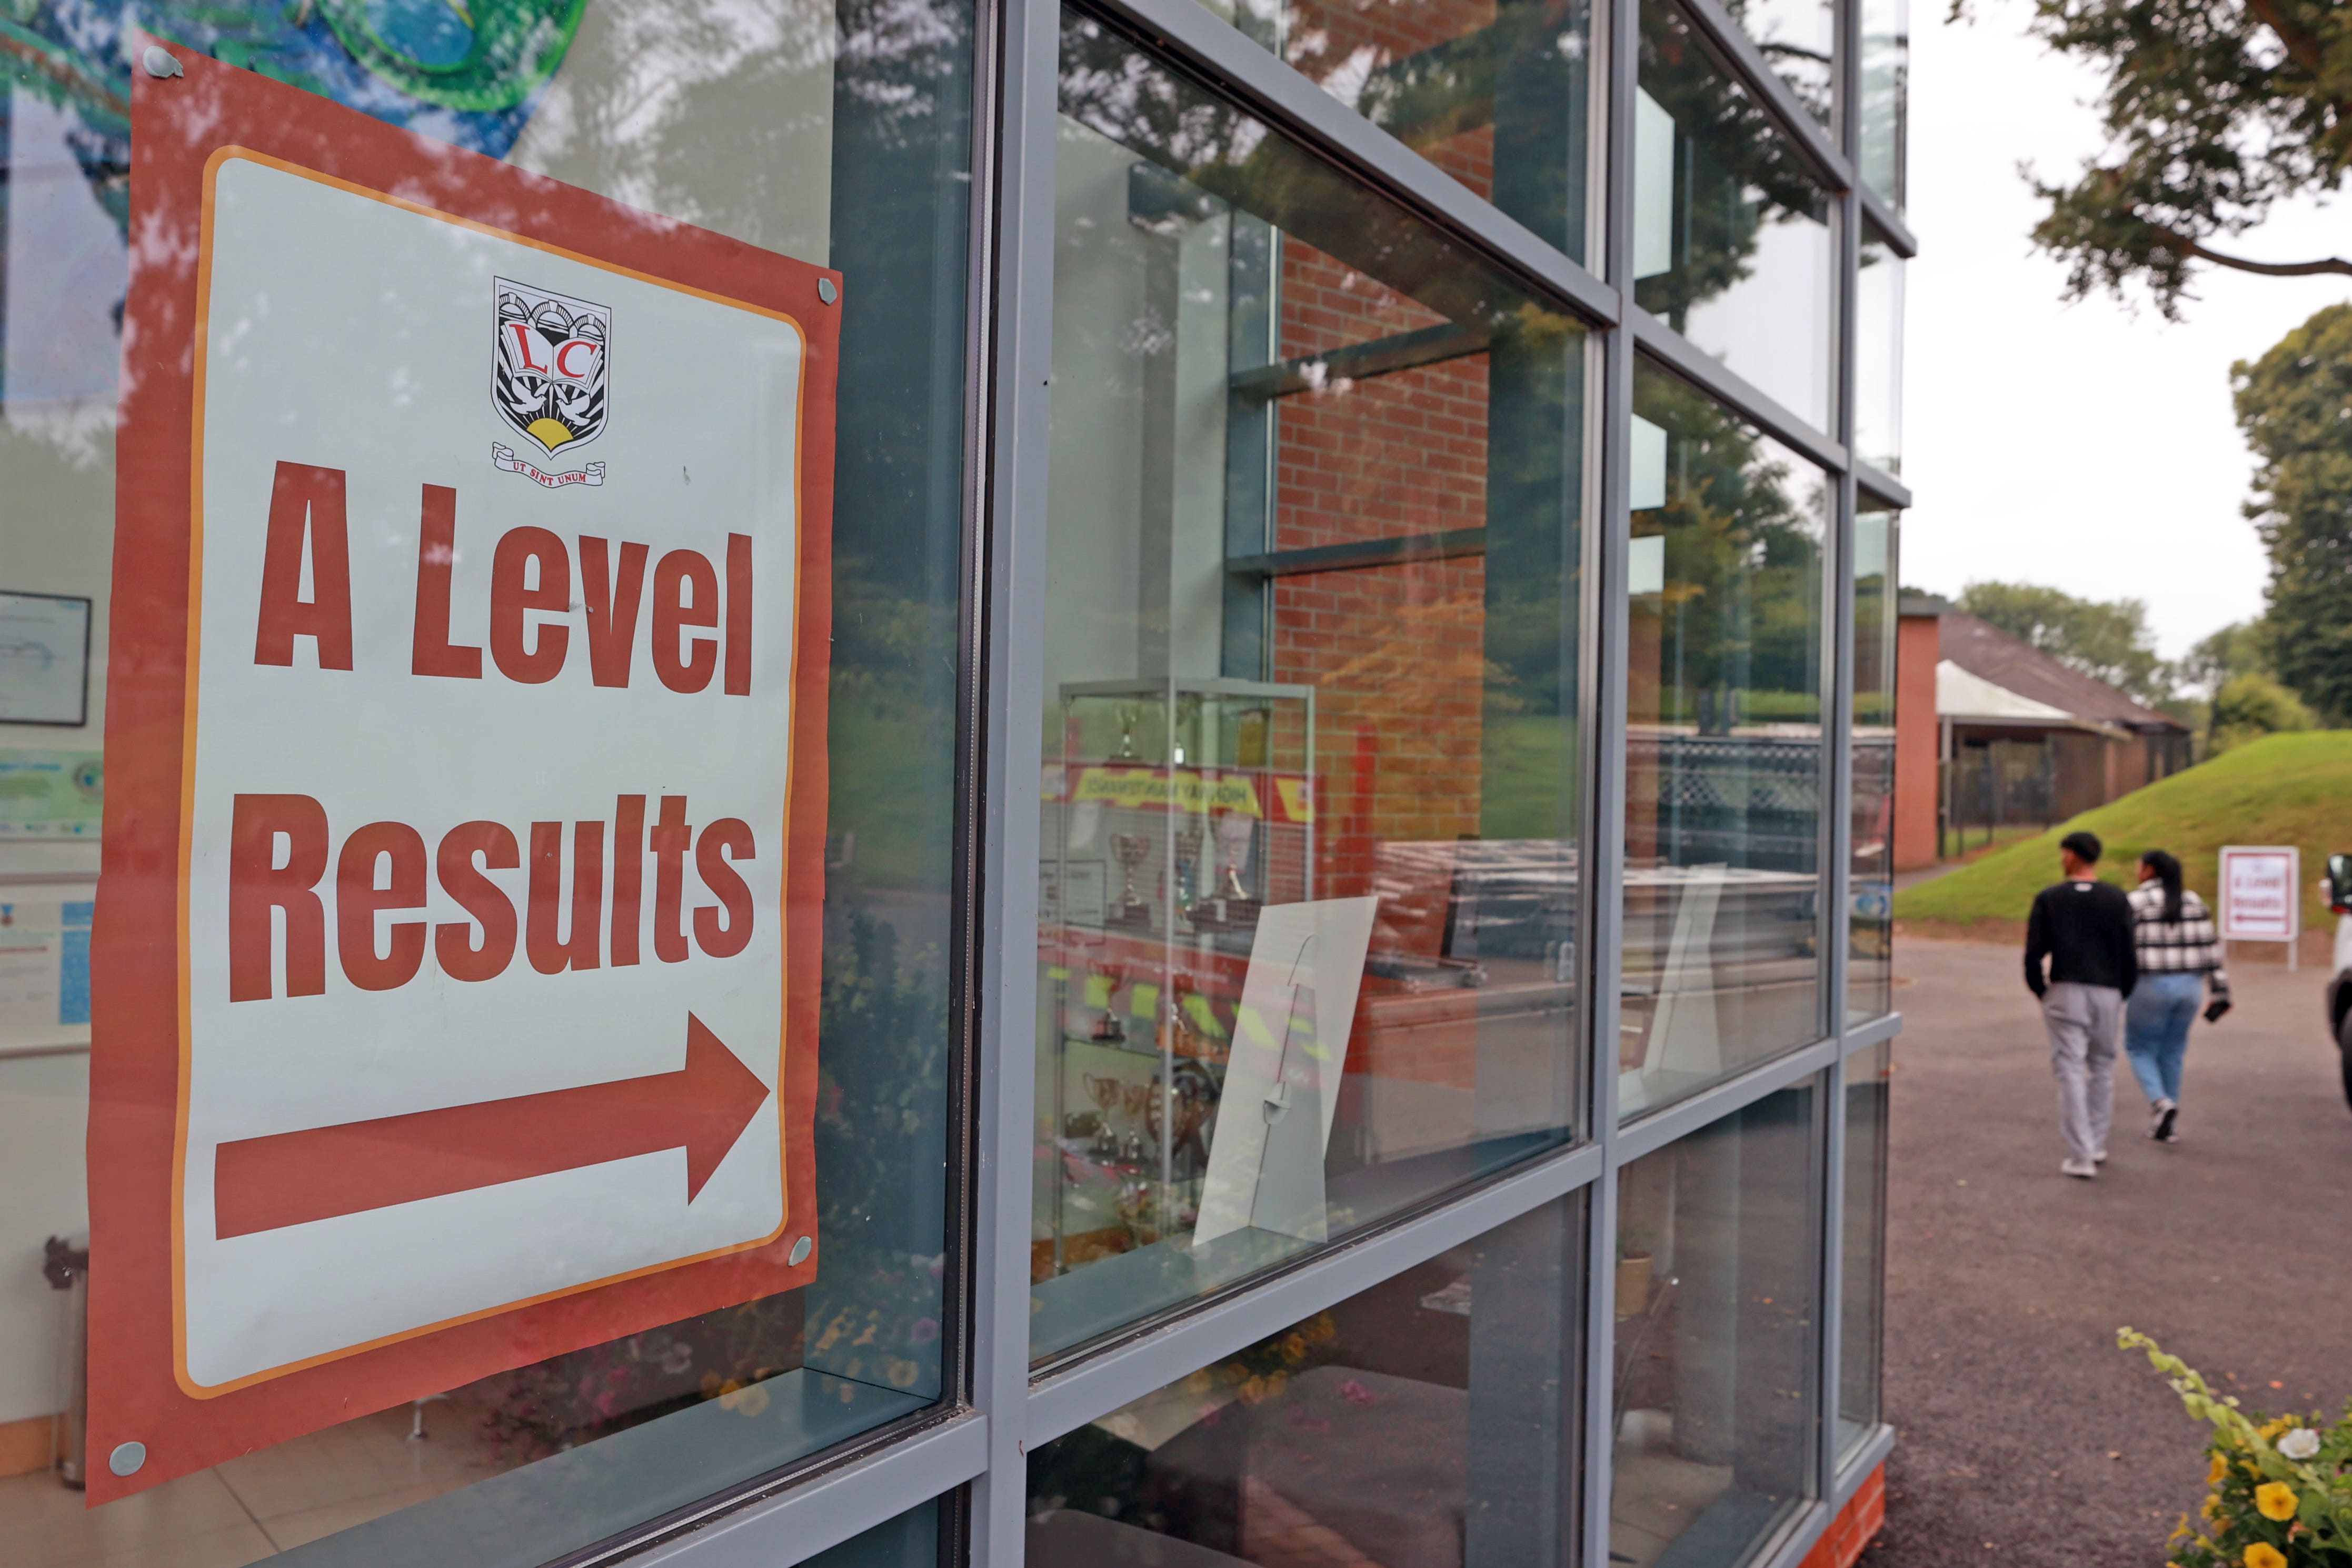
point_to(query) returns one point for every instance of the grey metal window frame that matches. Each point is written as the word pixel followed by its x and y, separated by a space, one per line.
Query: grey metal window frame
pixel 978 1437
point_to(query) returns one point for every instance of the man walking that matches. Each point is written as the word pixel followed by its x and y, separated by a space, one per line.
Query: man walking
pixel 2083 928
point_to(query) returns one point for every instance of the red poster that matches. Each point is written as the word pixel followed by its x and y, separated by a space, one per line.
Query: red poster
pixel 456 959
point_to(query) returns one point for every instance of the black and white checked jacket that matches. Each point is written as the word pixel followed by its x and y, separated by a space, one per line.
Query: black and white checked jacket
pixel 2189 945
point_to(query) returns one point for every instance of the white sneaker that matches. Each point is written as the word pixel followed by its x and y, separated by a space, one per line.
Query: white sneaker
pixel 2100 1158
pixel 2083 1168
pixel 2159 1117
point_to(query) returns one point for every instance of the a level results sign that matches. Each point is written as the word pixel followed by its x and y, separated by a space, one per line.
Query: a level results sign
pixel 2260 898
pixel 458 944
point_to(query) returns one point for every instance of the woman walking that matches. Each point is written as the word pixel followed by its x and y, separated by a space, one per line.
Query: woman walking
pixel 2180 959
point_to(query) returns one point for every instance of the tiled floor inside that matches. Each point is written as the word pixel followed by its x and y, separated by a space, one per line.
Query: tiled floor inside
pixel 1657 1495
pixel 250 1508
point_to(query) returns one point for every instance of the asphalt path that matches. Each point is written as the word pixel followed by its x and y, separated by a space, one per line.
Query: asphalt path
pixel 2024 1437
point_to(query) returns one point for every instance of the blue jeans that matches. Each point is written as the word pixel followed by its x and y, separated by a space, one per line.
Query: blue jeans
pixel 2156 1031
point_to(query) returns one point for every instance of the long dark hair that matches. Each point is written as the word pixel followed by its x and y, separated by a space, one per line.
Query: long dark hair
pixel 2167 871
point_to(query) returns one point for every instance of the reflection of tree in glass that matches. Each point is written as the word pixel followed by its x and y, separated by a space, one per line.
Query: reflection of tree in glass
pixel 1117 92
pixel 1734 172
pixel 901 162
pixel 1742 569
pixel 698 109
pixel 1533 500
pixel 1803 63
pixel 881 1138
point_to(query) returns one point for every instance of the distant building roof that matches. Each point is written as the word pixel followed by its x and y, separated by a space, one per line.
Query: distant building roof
pixel 1996 658
pixel 1961 695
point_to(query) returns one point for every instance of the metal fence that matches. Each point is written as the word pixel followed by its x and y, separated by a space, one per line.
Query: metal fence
pixel 2008 784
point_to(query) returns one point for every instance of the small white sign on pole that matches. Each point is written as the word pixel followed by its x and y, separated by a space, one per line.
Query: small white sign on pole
pixel 2262 895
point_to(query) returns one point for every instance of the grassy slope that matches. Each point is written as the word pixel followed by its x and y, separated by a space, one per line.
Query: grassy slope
pixel 2281 789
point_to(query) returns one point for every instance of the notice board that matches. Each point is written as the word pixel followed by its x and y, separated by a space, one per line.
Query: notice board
pixel 456 966
pixel 2260 898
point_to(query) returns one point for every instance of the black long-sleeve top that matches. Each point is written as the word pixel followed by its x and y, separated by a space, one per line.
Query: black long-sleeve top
pixel 2085 930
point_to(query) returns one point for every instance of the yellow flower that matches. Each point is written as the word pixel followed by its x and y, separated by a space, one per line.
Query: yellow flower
pixel 2276 1499
pixel 745 1400
pixel 2270 1430
pixel 2263 1554
pixel 2216 1470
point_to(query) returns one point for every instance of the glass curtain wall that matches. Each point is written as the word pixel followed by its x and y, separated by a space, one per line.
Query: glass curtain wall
pixel 1734 245
pixel 1494 93
pixel 1862 1312
pixel 1798 39
pixel 1870 914
pixel 1308 931
pixel 1719 1297
pixel 1316 905
pixel 1428 1422
pixel 836 135
pixel 1723 776
pixel 1878 353
pixel 1883 113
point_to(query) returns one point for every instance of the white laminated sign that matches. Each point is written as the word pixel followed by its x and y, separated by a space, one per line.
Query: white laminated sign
pixel 477 800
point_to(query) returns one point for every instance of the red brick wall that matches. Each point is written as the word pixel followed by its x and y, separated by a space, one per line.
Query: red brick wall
pixel 1326 34
pixel 1856 1525
pixel 1397 653
pixel 1337 41
pixel 1919 647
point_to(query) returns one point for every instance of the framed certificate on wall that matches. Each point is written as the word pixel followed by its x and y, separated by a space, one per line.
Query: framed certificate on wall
pixel 44 659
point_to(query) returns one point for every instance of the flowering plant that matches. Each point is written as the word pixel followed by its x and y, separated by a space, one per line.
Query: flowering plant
pixel 2282 1494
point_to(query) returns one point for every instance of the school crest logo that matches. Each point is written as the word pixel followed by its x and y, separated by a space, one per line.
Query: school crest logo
pixel 551 365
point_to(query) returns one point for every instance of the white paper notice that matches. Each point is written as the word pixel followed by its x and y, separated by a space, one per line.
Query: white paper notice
pixel 1282 1084
pixel 45 966
pixel 44 659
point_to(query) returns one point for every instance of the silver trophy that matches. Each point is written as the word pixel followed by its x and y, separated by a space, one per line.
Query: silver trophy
pixel 1188 866
pixel 1129 850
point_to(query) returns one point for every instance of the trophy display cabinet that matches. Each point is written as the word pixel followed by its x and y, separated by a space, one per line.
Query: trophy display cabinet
pixel 1178 810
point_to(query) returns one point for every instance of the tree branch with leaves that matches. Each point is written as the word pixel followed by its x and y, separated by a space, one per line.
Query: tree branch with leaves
pixel 2216 110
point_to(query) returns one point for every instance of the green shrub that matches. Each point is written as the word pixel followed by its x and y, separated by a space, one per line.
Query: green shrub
pixel 2250 705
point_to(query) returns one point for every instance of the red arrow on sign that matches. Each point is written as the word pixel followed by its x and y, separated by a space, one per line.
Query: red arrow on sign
pixel 320 1173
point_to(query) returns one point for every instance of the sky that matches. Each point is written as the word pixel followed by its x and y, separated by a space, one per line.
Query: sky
pixel 2088 446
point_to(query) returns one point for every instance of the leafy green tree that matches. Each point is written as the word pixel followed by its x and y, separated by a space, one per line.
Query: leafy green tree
pixel 2240 648
pixel 1742 532
pixel 2294 404
pixel 2250 705
pixel 2107 640
pixel 2214 112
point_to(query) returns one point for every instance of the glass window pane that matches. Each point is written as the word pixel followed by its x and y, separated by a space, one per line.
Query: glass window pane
pixel 1878 354
pixel 1309 831
pixel 1861 1329
pixel 1723 750
pixel 1716 1345
pixel 1493 92
pixel 913 1539
pixel 1870 951
pixel 1886 96
pixel 836 135
pixel 1798 39
pixel 1429 1422
pixel 1732 244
